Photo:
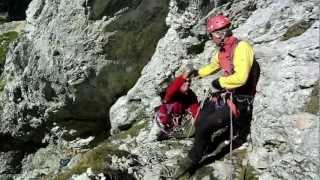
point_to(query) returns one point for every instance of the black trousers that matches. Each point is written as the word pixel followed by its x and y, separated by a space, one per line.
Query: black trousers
pixel 213 118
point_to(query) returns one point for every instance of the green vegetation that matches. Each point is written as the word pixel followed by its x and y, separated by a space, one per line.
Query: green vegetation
pixel 137 33
pixel 2 84
pixel 3 20
pixel 134 130
pixel 248 173
pixel 313 105
pixel 297 29
pixel 98 157
pixel 5 40
pixel 244 171
pixel 95 158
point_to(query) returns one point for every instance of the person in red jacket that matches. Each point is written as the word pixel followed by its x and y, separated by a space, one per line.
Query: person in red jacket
pixel 179 99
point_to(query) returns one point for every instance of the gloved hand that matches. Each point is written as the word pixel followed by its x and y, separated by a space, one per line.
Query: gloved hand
pixel 215 83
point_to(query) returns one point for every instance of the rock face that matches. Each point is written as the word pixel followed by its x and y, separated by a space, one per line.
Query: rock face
pixel 285 38
pixel 76 58
pixel 283 134
pixel 64 71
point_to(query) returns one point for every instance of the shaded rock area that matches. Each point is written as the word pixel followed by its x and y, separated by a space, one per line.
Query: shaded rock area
pixel 63 73
pixel 13 10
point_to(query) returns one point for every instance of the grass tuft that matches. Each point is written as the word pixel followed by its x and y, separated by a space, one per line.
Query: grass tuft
pixel 5 40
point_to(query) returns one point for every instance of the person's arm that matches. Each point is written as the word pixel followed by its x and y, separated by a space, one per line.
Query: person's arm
pixel 210 68
pixel 242 62
pixel 174 87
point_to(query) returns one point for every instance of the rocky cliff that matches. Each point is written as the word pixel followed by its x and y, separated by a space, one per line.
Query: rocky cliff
pixel 75 58
pixel 71 62
pixel 285 36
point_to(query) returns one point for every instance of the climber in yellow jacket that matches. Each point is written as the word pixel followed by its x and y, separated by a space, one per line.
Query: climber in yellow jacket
pixel 242 61
pixel 240 76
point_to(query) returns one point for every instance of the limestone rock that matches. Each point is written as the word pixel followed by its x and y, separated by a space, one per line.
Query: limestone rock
pixel 64 82
pixel 285 38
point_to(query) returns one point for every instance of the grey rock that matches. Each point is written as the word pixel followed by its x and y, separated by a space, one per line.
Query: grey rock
pixel 129 113
pixel 44 161
pixel 285 137
pixel 290 71
pixel 47 47
pixel 60 71
pixel 12 26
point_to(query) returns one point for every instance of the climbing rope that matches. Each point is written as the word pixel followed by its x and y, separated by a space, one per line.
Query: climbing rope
pixel 231 138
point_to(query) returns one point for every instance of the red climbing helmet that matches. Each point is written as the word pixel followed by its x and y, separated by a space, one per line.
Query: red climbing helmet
pixel 217 22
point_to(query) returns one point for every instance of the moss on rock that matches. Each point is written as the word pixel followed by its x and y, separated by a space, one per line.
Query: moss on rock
pixel 98 157
pixel 5 40
pixel 248 173
pixel 2 84
pixel 132 131
pixel 95 159
pixel 296 30
pixel 244 171
pixel 3 20
pixel 313 105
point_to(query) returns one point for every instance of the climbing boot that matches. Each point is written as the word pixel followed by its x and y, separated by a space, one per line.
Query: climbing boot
pixel 184 167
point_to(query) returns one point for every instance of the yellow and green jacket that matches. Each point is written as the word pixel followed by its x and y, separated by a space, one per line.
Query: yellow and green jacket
pixel 243 58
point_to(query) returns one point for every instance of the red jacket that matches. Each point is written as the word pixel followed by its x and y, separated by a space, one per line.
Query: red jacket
pixel 180 101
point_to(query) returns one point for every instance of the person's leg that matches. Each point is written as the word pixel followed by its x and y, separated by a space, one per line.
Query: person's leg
pixel 208 123
pixel 211 119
